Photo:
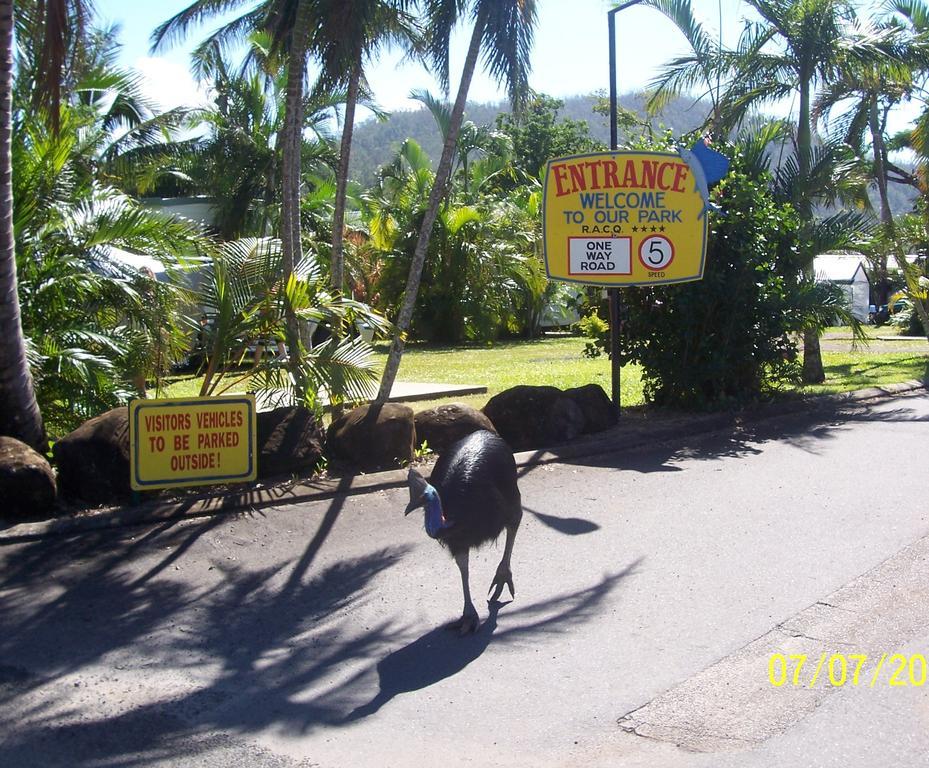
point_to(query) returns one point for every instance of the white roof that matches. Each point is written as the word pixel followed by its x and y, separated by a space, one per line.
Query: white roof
pixel 115 262
pixel 138 261
pixel 839 267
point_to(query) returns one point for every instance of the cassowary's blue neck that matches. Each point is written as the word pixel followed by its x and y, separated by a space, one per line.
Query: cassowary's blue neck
pixel 435 518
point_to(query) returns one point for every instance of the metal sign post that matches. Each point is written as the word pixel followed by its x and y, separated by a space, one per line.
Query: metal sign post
pixel 614 294
pixel 620 218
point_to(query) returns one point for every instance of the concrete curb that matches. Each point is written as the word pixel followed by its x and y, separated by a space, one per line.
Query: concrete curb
pixel 623 437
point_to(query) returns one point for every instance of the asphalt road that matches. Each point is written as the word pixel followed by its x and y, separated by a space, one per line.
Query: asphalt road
pixel 652 588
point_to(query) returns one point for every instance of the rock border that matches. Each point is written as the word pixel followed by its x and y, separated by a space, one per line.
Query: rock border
pixel 627 435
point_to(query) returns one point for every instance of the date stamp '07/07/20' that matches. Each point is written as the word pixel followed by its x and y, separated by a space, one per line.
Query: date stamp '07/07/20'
pixel 839 669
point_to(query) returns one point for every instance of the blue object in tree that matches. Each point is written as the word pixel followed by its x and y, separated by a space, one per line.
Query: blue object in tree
pixel 707 166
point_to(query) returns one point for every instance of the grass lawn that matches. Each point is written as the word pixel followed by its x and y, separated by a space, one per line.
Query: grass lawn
pixel 846 371
pixel 559 362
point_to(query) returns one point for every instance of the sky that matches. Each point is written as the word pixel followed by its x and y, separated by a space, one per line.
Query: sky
pixel 570 52
pixel 569 57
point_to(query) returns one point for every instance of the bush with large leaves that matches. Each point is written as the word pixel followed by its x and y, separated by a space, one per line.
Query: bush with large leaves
pixel 730 336
pixel 246 300
pixel 94 326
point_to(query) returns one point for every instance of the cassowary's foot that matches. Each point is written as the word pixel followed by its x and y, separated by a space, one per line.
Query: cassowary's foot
pixel 503 578
pixel 467 624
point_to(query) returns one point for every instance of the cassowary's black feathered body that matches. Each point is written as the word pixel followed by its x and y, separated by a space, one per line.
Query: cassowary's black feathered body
pixel 476 481
pixel 471 497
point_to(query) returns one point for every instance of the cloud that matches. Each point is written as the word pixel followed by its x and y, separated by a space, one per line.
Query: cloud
pixel 170 84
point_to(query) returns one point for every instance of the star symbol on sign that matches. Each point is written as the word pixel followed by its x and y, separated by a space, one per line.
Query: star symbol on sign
pixel 654 229
pixel 635 229
pixel 661 228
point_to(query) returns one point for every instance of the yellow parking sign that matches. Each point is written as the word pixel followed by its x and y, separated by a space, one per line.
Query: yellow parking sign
pixel 180 442
pixel 625 218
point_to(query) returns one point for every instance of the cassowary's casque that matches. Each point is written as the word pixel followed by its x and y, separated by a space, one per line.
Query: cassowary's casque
pixel 470 498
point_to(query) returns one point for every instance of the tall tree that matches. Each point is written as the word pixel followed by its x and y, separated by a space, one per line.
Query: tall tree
pixel 503 30
pixel 19 411
pixel 289 22
pixel 795 48
pixel 341 35
pixel 864 95
pixel 915 16
pixel 349 33
pixel 239 161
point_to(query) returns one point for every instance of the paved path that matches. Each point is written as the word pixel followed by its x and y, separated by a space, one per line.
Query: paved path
pixel 652 587
pixel 400 392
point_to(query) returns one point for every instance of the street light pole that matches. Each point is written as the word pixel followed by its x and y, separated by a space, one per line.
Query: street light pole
pixel 613 293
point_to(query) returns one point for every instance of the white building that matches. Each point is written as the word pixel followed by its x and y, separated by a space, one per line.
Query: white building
pixel 846 270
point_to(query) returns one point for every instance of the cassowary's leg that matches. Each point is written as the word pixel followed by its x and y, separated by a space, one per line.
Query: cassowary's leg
pixel 504 575
pixel 469 620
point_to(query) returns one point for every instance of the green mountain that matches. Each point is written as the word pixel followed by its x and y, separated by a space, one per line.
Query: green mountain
pixel 375 143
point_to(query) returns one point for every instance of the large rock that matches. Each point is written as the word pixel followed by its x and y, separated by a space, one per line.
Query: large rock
pixel 444 425
pixel 93 461
pixel 387 442
pixel 533 417
pixel 599 412
pixel 27 482
pixel 290 439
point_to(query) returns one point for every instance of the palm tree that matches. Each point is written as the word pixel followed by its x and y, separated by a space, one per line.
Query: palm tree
pixel 701 68
pixel 349 33
pixel 796 47
pixel 869 91
pixel 19 411
pixel 238 163
pixel 915 15
pixel 95 326
pixel 289 22
pixel 471 138
pixel 503 29
pixel 474 269
pixel 341 37
pixel 247 299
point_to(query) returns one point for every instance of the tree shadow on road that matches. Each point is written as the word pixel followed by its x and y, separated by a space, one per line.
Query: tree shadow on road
pixel 741 435
pixel 291 645
pixel 275 651
pixel 73 606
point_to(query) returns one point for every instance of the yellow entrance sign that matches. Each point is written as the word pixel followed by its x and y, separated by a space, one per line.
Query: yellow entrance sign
pixel 625 218
pixel 192 441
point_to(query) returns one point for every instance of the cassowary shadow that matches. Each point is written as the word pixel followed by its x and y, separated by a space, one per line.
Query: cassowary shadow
pixel 570 526
pixel 440 654
pixel 433 657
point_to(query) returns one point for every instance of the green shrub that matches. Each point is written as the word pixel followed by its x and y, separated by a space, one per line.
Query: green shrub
pixel 728 337
pixel 907 320
pixel 597 329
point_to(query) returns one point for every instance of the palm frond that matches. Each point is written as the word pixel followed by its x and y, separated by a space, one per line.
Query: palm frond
pixel 507 43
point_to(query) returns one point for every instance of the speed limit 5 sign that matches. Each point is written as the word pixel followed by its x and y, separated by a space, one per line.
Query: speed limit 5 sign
pixel 629 218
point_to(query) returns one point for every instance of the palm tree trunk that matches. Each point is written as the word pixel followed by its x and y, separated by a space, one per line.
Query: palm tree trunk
pixel 292 134
pixel 880 175
pixel 887 219
pixel 439 190
pixel 880 163
pixel 338 214
pixel 813 372
pixel 19 410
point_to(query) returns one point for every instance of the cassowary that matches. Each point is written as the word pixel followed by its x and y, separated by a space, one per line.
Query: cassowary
pixel 470 498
